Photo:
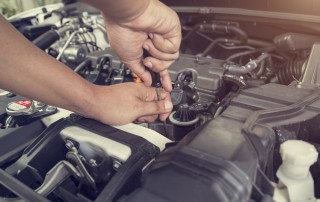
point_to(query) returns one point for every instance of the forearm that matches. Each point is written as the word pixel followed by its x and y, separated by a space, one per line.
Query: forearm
pixel 120 9
pixel 28 71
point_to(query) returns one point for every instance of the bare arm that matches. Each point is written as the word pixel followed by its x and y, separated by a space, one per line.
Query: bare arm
pixel 26 70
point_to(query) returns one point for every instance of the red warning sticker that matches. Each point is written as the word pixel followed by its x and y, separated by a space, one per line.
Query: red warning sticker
pixel 25 103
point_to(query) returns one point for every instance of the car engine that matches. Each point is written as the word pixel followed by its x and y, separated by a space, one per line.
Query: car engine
pixel 244 127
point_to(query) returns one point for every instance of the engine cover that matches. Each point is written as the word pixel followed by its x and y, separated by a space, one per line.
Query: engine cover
pixel 224 159
pixel 206 72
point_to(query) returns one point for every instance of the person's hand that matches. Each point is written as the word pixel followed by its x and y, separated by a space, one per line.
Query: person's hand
pixel 127 102
pixel 129 38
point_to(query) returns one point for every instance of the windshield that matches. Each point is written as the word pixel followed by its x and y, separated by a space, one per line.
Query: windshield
pixel 9 8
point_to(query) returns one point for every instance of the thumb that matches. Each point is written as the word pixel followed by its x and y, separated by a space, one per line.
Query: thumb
pixel 157 107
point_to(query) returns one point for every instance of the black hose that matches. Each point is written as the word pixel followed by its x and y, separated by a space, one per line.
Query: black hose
pixel 241 36
pixel 235 79
pixel 250 66
pixel 192 32
pixel 236 55
pixel 259 43
pixel 82 65
pixel 45 40
pixel 48 38
pixel 236 47
pixel 219 40
pixel 261 68
pixel 290 71
pixel 228 29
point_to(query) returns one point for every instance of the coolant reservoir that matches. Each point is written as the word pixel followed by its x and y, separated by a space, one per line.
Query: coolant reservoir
pixel 297 157
pixel 295 180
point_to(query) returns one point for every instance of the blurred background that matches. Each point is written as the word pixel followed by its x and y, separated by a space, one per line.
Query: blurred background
pixel 11 7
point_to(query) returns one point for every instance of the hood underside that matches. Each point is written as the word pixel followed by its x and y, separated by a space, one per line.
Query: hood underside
pixel 307 7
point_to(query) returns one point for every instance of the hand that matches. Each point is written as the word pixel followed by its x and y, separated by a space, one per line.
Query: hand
pixel 128 38
pixel 124 103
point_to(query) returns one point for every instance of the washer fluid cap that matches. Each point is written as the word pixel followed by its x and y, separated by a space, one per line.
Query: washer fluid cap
pixel 299 153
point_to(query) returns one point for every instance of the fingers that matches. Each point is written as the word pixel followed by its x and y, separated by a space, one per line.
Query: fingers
pixel 149 94
pixel 157 107
pixel 149 119
pixel 164 116
pixel 157 65
pixel 160 60
pixel 166 80
pixel 163 113
pixel 163 53
pixel 151 107
pixel 158 53
pixel 140 70
pixel 165 96
pixel 169 45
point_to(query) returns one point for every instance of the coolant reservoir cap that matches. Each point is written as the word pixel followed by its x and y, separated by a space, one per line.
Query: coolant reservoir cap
pixel 19 105
pixel 299 153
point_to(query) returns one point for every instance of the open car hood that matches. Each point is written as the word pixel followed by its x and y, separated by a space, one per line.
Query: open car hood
pixel 245 120
pixel 306 7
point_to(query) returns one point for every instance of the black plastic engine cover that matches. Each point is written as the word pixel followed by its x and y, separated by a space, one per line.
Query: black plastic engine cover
pixel 207 72
pixel 49 148
pixel 14 140
pixel 224 159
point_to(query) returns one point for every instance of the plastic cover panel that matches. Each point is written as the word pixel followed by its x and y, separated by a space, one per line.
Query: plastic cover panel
pixel 308 7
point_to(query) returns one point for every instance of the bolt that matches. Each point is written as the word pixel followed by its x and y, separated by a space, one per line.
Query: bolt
pixel 69 145
pixel 51 108
pixel 116 165
pixel 93 162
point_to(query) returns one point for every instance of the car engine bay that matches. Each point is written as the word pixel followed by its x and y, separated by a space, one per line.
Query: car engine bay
pixel 244 127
